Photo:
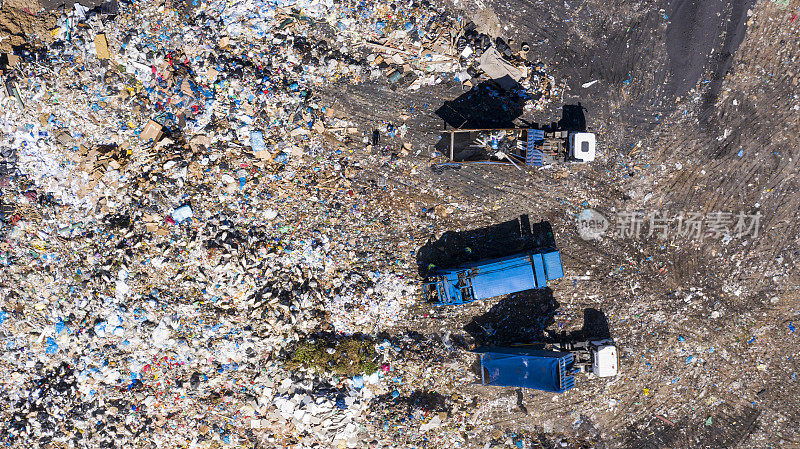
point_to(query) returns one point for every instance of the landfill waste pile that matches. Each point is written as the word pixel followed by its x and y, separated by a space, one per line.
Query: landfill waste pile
pixel 180 213
pixel 207 240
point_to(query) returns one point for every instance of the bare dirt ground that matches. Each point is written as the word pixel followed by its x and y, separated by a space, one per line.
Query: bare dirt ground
pixel 22 22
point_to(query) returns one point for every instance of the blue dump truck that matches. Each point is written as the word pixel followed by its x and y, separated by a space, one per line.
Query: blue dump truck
pixel 494 277
pixel 537 369
pixel 547 370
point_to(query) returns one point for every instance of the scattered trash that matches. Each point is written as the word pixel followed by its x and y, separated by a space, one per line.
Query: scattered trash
pixel 665 420
pixel 182 213
pixel 500 70
pixel 189 205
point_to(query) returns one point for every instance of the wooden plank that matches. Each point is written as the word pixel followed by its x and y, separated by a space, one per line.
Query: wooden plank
pixel 101 45
pixel 452 144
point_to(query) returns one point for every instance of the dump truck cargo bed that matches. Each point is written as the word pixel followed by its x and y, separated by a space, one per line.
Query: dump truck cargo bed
pixel 495 277
pixel 525 368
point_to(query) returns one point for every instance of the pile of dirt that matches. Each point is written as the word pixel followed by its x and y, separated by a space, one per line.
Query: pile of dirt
pixel 24 22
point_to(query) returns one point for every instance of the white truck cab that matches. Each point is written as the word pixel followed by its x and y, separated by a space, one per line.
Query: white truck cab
pixel 605 359
pixel 599 357
pixel 582 147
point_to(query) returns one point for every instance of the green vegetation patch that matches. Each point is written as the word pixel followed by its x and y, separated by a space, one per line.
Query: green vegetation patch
pixel 347 357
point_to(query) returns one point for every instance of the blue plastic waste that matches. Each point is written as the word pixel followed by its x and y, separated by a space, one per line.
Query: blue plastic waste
pixel 52 346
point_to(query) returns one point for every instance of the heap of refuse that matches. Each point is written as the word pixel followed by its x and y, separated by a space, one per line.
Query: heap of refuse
pixel 180 212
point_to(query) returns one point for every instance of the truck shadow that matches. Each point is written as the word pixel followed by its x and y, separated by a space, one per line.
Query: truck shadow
pixel 572 118
pixel 519 318
pixel 416 401
pixel 503 239
pixel 595 327
pixel 527 316
pixel 486 105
